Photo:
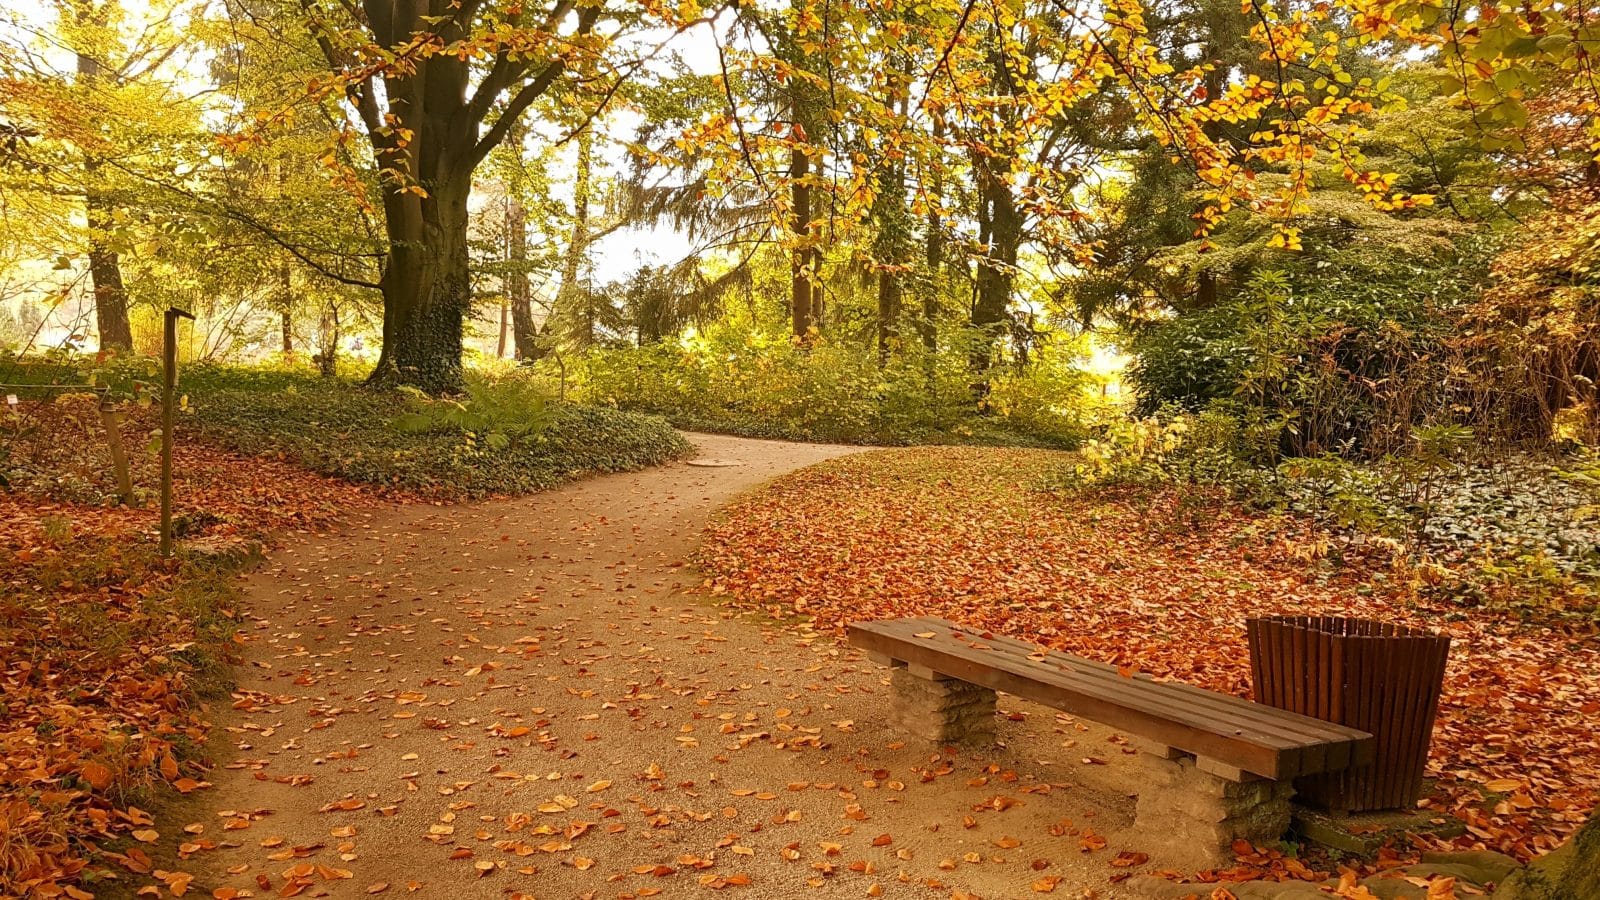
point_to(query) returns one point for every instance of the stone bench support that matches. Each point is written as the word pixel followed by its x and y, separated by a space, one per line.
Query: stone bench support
pixel 940 709
pixel 1205 806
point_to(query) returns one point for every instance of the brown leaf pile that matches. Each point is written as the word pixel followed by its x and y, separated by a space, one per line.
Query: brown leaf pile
pixel 1128 579
pixel 102 639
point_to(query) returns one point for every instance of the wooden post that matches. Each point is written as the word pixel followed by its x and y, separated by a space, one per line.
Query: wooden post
pixel 169 416
pixel 119 457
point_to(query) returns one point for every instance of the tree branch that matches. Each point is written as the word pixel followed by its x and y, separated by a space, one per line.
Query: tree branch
pixel 358 93
pixel 504 71
pixel 530 92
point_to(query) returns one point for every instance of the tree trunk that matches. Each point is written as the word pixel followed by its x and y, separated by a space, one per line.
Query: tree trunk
pixel 105 267
pixel 524 333
pixel 801 302
pixel 928 325
pixel 991 302
pixel 105 273
pixel 814 261
pixel 512 240
pixel 572 302
pixel 1206 281
pixel 806 104
pixel 889 293
pixel 427 289
pixel 505 327
pixel 428 124
pixel 285 320
pixel 894 232
pixel 328 341
pixel 890 252
pixel 997 268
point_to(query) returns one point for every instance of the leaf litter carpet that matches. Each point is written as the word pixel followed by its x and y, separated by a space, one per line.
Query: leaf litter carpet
pixel 968 534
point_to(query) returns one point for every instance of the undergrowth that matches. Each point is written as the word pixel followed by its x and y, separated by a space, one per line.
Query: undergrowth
pixel 748 382
pixel 339 428
pixel 1510 531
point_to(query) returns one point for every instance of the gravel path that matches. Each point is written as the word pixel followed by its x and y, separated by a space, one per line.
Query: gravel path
pixel 527 698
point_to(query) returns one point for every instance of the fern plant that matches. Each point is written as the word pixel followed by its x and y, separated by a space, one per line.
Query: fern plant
pixel 496 411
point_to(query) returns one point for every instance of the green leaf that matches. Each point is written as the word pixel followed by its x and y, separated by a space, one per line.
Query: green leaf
pixel 413 423
pixel 1555 44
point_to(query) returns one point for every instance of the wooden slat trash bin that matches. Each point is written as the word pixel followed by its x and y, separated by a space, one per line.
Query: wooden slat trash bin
pixel 1375 676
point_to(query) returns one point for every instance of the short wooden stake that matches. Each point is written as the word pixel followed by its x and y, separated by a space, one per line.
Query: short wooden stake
pixel 169 416
pixel 119 456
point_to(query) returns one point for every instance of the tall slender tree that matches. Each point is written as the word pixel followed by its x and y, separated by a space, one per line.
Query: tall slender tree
pixel 100 207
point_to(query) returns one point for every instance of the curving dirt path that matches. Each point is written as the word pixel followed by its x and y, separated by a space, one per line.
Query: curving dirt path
pixel 525 698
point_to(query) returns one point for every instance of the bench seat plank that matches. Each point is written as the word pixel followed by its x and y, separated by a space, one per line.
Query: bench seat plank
pixel 1250 736
pixel 1323 744
pixel 1088 675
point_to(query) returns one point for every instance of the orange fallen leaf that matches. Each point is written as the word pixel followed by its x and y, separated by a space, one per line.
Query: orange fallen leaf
pixel 97 775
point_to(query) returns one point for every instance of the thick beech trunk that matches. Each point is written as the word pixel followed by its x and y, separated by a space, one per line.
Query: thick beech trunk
pixel 430 127
pixel 427 290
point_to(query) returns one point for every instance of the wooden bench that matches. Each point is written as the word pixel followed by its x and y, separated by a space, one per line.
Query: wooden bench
pixel 1222 766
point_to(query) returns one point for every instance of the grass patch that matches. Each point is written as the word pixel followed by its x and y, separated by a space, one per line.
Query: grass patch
pixel 337 427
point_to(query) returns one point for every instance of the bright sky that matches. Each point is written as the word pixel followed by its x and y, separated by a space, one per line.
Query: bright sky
pixel 623 251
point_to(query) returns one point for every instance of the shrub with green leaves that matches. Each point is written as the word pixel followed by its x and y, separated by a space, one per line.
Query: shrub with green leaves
pixel 742 380
pixel 1328 361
